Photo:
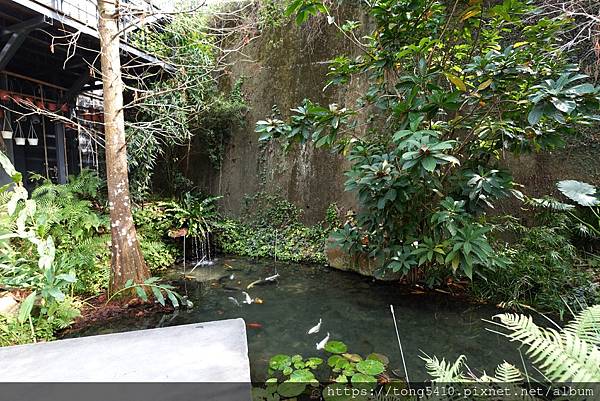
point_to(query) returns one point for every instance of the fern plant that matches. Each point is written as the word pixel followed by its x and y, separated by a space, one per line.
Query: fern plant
pixel 569 355
pixel 456 381
pixel 443 371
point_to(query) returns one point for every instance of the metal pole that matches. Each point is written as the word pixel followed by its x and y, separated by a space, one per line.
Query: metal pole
pixel 44 135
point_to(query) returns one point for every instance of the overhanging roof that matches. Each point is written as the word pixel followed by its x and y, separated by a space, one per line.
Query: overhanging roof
pixel 39 57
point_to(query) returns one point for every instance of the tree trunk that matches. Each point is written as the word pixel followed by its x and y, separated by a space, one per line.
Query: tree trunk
pixel 127 259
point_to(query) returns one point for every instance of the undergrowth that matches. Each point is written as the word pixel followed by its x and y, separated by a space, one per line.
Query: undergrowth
pixel 546 271
pixel 271 227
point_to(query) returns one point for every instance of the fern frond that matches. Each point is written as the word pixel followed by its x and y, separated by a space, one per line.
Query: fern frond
pixel 507 373
pixel 586 325
pixel 563 357
pixel 443 371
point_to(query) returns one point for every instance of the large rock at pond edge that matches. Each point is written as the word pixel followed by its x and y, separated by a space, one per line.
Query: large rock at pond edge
pixel 361 264
pixel 9 305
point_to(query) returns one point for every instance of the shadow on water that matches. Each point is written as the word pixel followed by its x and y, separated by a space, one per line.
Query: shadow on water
pixel 354 310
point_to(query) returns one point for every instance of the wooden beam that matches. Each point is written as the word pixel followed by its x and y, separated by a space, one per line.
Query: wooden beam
pixel 18 34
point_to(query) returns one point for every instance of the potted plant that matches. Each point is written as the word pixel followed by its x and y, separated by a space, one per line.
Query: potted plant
pixel 7 131
pixel 32 137
pixel 19 137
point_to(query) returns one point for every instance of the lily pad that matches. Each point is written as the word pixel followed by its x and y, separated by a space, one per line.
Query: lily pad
pixel 362 378
pixel 334 360
pixel 280 362
pixel 353 357
pixel 336 347
pixel 379 357
pixel 370 367
pixel 313 362
pixel 302 375
pixel 291 389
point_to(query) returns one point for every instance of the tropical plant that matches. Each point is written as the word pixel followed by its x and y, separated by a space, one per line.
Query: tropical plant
pixel 586 196
pixel 451 90
pixel 43 280
pixel 74 215
pixel 54 246
pixel 194 213
pixel 157 289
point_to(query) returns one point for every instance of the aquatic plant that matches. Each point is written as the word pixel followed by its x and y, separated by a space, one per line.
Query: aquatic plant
pixel 294 375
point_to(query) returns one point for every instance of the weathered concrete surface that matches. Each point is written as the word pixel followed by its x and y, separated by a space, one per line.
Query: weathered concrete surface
pixel 201 352
pixel 282 67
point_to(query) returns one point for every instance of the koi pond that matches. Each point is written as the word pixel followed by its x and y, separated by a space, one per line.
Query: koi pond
pixel 353 309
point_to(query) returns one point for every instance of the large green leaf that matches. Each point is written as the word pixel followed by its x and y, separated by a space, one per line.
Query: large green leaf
pixel 280 362
pixel 9 168
pixel 26 307
pixel 336 347
pixel 582 193
pixel 370 367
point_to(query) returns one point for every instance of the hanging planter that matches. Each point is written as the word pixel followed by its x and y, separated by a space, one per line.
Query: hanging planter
pixel 32 137
pixel 19 137
pixel 7 131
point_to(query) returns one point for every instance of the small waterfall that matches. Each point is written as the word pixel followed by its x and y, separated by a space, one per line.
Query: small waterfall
pixel 202 250
pixel 195 253
pixel 208 248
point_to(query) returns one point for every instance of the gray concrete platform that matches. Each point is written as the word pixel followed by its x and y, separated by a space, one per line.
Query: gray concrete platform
pixel 203 352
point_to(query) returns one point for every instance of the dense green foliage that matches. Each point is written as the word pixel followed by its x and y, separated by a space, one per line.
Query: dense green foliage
pixel 544 270
pixel 270 227
pixel 30 260
pixel 453 89
pixel 159 221
pixel 189 106
pixel 55 249
pixel 73 215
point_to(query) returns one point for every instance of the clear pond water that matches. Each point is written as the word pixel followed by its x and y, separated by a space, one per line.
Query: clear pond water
pixel 354 310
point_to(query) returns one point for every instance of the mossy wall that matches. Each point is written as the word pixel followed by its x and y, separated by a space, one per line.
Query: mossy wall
pixel 286 64
pixel 281 67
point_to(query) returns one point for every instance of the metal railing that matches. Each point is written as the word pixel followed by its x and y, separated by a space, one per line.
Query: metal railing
pixel 86 11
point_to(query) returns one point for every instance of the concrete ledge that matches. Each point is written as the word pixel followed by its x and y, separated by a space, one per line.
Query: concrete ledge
pixel 196 353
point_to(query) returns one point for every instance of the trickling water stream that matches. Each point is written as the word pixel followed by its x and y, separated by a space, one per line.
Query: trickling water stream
pixel 354 310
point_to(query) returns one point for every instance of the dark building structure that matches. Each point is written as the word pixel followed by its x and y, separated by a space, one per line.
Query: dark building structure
pixel 50 95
